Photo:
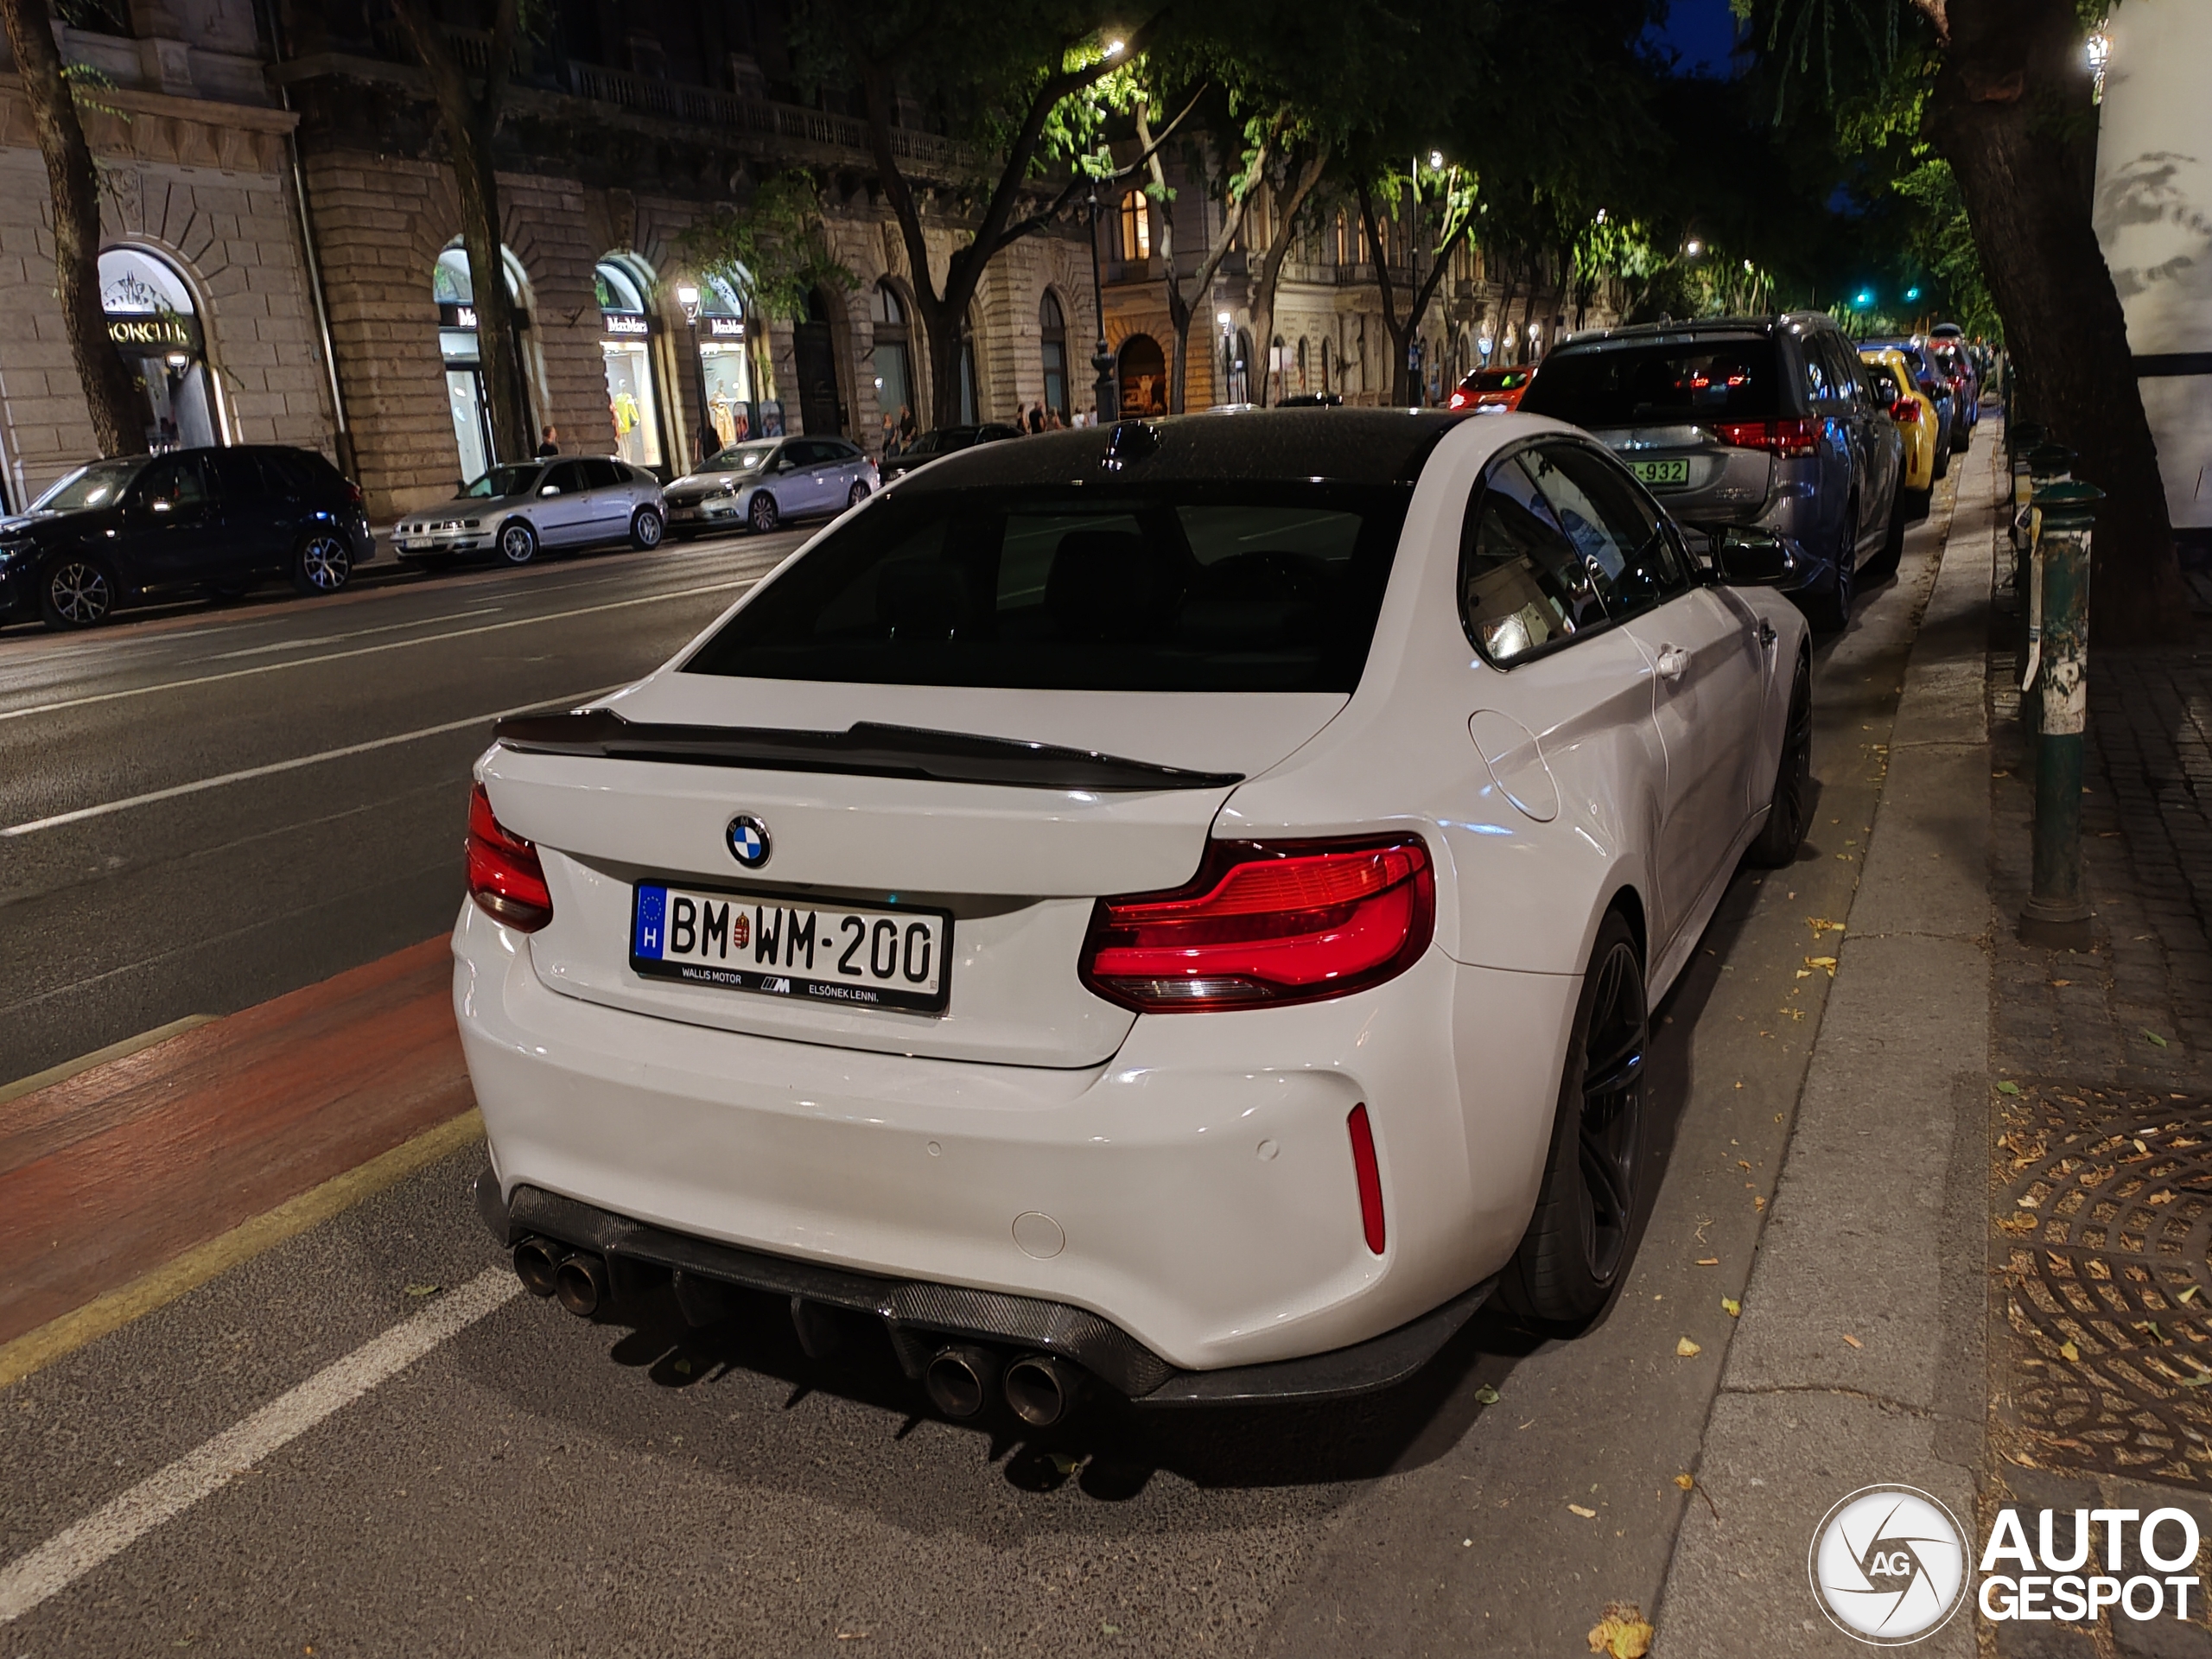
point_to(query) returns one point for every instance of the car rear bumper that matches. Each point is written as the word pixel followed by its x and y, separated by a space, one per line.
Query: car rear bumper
pixel 1196 1192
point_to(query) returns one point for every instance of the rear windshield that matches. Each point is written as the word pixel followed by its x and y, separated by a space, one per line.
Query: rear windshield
pixel 1175 587
pixel 1626 385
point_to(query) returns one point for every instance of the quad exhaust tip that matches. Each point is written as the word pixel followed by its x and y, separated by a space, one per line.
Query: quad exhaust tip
pixel 579 1283
pixel 1041 1390
pixel 537 1264
pixel 959 1378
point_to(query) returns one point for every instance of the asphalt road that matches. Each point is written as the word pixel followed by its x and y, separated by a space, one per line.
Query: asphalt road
pixel 535 1485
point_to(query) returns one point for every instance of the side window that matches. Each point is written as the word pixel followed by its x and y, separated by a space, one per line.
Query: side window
pixel 1611 526
pixel 600 474
pixel 1843 369
pixel 180 481
pixel 1817 386
pixel 1523 586
pixel 567 479
pixel 244 479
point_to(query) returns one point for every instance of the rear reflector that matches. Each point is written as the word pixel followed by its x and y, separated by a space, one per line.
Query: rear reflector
pixel 1905 409
pixel 505 878
pixel 1788 439
pixel 1370 1177
pixel 1265 923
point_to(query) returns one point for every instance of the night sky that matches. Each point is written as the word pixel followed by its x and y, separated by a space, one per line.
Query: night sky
pixel 1702 31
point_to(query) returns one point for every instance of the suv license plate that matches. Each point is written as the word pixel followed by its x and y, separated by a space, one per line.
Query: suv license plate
pixel 1661 472
pixel 852 955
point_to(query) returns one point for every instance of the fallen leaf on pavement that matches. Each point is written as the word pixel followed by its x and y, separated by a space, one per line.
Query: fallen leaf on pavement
pixel 1685 1482
pixel 2187 1292
pixel 1758 1205
pixel 2008 1087
pixel 1065 1464
pixel 2067 1350
pixel 1822 925
pixel 1708 1260
pixel 1687 1349
pixel 1732 1308
pixel 1587 1515
pixel 1852 1340
pixel 2018 1224
pixel 2196 1382
pixel 424 1290
pixel 2061 982
pixel 1623 1632
pixel 2154 1037
pixel 1804 973
pixel 1486 1394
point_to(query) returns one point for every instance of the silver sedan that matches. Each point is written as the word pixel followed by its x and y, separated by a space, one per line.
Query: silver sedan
pixel 762 483
pixel 513 511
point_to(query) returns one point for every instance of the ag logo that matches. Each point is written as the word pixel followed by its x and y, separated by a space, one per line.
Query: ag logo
pixel 1888 1565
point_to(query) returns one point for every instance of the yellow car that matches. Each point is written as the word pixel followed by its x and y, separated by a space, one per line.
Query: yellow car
pixel 1916 419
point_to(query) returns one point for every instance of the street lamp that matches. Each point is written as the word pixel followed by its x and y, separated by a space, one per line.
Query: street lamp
pixel 687 296
pixel 1102 360
pixel 1693 247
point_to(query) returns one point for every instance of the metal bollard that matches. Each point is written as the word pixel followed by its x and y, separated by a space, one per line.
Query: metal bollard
pixel 2057 912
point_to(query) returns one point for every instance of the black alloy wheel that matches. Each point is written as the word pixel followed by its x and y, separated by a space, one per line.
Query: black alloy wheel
pixel 76 593
pixel 646 529
pixel 518 542
pixel 857 495
pixel 1790 806
pixel 1884 564
pixel 762 513
pixel 324 564
pixel 1577 1243
pixel 1830 613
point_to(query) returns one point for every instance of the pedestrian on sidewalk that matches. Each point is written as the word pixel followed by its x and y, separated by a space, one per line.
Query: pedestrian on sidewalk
pixel 550 444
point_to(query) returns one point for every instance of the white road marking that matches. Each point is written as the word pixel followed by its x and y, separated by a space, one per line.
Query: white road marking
pixel 161 1497
pixel 365 650
pixel 351 633
pixel 274 767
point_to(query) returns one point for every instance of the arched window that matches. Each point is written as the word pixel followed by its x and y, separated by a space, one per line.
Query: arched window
pixel 814 354
pixel 156 329
pixel 1053 333
pixel 1326 387
pixel 1144 377
pixel 725 360
pixel 453 288
pixel 1137 227
pixel 1304 357
pixel 894 363
pixel 621 282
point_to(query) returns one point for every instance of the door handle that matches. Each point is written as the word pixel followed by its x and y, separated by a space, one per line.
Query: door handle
pixel 1766 635
pixel 1673 661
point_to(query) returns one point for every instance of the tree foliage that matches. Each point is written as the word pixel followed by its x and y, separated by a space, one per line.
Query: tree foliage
pixel 774 251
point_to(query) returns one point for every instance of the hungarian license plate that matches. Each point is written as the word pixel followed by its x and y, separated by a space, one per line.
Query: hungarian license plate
pixel 852 955
pixel 683 512
pixel 1661 472
pixel 408 544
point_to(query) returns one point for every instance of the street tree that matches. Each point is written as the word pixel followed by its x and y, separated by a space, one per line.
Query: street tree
pixel 470 103
pixel 52 91
pixel 1435 225
pixel 2008 100
pixel 774 251
pixel 1289 193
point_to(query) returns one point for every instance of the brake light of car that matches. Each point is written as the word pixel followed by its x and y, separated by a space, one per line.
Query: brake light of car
pixel 1264 923
pixel 505 878
pixel 1788 439
pixel 353 493
pixel 1905 409
pixel 1368 1175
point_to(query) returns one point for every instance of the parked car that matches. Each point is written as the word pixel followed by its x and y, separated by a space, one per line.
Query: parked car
pixel 1492 389
pixel 1948 353
pixel 1915 415
pixel 1931 382
pixel 1311 400
pixel 211 521
pixel 1762 421
pixel 1105 915
pixel 516 510
pixel 765 481
pixel 945 441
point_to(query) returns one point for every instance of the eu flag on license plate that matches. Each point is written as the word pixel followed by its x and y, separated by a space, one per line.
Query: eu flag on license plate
pixel 652 906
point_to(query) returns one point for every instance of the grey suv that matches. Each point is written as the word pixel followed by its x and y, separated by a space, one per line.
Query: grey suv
pixel 1766 420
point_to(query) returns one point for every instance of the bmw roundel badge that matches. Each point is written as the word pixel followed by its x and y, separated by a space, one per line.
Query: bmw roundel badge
pixel 748 841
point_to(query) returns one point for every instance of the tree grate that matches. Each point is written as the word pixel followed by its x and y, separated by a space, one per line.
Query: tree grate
pixel 2105 1231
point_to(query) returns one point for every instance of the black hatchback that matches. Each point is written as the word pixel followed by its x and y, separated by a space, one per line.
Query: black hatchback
pixel 211 521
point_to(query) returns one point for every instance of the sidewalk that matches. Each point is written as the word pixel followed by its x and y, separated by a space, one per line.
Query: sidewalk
pixel 1860 1355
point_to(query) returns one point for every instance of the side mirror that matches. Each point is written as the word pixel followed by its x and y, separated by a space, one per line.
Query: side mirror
pixel 159 504
pixel 1753 558
pixel 549 489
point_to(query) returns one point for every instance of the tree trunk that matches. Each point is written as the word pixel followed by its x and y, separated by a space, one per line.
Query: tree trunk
pixel 2011 112
pixel 471 119
pixel 1402 335
pixel 1285 238
pixel 1179 306
pixel 119 417
pixel 1503 340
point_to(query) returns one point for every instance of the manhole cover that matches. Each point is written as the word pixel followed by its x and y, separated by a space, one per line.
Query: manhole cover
pixel 2107 1244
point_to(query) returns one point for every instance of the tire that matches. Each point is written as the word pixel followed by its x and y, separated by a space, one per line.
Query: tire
pixel 517 543
pixel 647 527
pixel 1916 504
pixel 1788 806
pixel 322 564
pixel 762 514
pixel 1576 1249
pixel 1884 564
pixel 1942 464
pixel 1830 613
pixel 857 494
pixel 76 592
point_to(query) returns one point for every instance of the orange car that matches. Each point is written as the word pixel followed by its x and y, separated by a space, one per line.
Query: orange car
pixel 1492 389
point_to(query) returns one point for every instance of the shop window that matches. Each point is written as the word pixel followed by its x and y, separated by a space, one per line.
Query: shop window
pixel 627 347
pixel 454 289
pixel 1052 330
pixel 1144 377
pixel 725 363
pixel 894 363
pixel 156 328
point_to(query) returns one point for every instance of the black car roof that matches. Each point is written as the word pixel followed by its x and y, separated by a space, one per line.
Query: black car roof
pixel 1351 446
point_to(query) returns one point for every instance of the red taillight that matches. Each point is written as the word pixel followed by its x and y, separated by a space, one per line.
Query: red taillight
pixel 1788 439
pixel 1368 1175
pixel 505 876
pixel 353 493
pixel 1266 923
pixel 1905 409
